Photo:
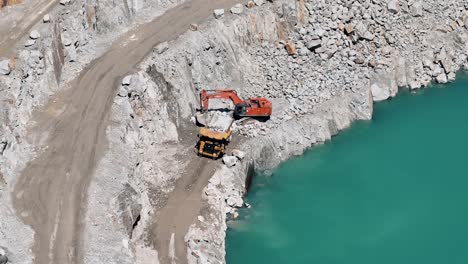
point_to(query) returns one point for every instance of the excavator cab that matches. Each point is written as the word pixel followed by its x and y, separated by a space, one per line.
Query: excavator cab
pixel 240 110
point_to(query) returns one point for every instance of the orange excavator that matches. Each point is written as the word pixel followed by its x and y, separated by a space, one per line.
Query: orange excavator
pixel 256 107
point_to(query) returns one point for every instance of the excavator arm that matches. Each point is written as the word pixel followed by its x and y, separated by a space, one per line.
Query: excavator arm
pixel 206 95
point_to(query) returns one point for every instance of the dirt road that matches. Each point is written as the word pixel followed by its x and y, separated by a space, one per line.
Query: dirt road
pixel 182 208
pixel 23 17
pixel 51 192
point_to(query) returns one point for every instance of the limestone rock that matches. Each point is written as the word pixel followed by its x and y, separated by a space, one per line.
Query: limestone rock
pixel 127 80
pixel 237 9
pixel 383 86
pixel 66 39
pixel 161 48
pixel 215 120
pixel 451 76
pixel 417 8
pixel 194 27
pixel 259 2
pixel 230 161
pixel 238 154
pixel 46 18
pixel 218 13
pixel 5 67
pixel 29 42
pixel 363 32
pixel 71 53
pixel 34 34
pixel 393 6
pixel 348 29
pixel 313 44
pixel 442 78
pixel 235 202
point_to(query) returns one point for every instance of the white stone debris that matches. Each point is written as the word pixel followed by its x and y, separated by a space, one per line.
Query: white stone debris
pixel 34 34
pixel 5 67
pixel 46 18
pixel 237 9
pixel 230 161
pixel 29 42
pixel 259 2
pixel 127 80
pixel 238 154
pixel 218 13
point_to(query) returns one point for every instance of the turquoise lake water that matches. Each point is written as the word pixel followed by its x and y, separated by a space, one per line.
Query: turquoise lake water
pixel 390 191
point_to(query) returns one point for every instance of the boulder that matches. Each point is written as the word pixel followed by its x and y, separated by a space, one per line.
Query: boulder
pixel 348 29
pixel 65 2
pixel 238 154
pixel 34 34
pixel 259 2
pixel 218 13
pixel 237 9
pixel 230 161
pixel 161 48
pixel 451 77
pixel 383 86
pixel 127 80
pixel 291 48
pixel 417 8
pixel 194 27
pixel 29 42
pixel 5 67
pixel 235 202
pixel 362 32
pixel 442 78
pixel 71 53
pixel 66 39
pixel 46 18
pixel 393 6
pixel 215 120
pixel 250 4
pixel 313 44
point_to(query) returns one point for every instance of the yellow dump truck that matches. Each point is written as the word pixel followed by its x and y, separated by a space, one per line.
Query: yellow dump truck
pixel 212 143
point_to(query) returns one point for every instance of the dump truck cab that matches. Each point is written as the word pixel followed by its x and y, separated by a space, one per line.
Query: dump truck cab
pixel 212 143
